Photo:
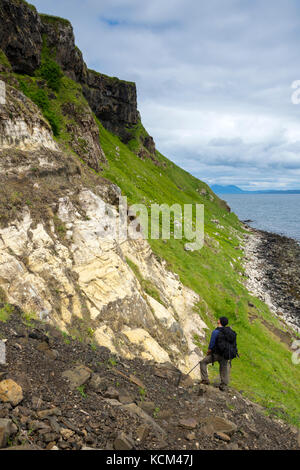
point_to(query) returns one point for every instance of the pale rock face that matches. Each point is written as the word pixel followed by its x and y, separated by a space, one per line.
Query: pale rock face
pixel 35 269
pixel 19 134
pixel 84 275
pixel 152 350
pixel 21 124
pixel 162 314
pixel 104 335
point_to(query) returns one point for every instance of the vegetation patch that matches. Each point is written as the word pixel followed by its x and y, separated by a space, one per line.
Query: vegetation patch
pixel 5 312
pixel 40 97
pixel 146 284
pixel 54 20
pixel 3 296
pixel 264 371
pixel 4 60
pixel 52 73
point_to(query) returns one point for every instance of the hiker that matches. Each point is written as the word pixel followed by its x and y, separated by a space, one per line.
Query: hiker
pixel 222 348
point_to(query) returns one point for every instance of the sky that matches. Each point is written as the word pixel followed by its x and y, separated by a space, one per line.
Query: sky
pixel 214 79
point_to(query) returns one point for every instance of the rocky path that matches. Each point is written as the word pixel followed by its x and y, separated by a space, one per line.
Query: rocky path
pixel 58 393
pixel 273 271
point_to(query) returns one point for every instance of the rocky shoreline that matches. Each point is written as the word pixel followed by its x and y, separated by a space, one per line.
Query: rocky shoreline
pixel 273 273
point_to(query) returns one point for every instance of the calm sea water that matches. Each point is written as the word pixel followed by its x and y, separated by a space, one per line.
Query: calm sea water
pixel 278 213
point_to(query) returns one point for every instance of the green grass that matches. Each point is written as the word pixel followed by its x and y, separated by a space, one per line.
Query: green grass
pixel 52 73
pixel 5 312
pixel 146 284
pixel 264 371
pixel 81 390
pixel 4 60
pixel 110 79
pixel 54 20
pixel 112 362
pixel 29 318
pixel 40 97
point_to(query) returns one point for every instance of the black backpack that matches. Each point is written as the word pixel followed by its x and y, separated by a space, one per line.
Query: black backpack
pixel 226 344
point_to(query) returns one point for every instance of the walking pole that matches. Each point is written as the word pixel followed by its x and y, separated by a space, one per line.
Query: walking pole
pixel 180 373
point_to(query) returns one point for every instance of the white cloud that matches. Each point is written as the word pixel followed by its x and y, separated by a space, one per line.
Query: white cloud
pixel 213 78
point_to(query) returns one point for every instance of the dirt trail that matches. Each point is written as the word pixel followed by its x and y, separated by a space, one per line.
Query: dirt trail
pixel 77 396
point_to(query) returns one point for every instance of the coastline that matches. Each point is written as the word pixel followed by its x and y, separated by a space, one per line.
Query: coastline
pixel 272 265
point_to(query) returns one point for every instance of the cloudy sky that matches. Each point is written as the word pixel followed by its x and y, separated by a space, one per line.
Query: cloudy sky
pixel 213 77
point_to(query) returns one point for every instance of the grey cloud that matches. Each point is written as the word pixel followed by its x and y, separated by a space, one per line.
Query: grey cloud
pixel 214 78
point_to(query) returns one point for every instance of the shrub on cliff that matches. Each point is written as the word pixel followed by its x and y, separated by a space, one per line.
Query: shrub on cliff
pixel 52 73
pixel 40 98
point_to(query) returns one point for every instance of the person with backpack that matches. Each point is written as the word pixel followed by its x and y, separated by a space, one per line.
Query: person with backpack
pixel 222 348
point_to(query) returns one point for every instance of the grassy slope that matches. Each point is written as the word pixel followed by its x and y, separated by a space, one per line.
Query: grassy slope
pixel 265 370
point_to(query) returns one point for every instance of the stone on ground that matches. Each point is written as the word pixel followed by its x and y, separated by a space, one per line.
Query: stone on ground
pixel 77 376
pixel 10 392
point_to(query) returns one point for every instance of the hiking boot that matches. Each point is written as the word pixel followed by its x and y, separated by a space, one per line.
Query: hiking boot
pixel 205 382
pixel 223 387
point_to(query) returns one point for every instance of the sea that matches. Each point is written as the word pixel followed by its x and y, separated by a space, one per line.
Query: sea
pixel 276 213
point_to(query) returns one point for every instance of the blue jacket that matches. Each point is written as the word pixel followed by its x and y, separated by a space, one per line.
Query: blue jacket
pixel 213 338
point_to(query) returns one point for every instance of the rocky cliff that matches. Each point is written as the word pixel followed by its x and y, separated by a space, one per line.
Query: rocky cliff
pixel 55 259
pixel 72 143
pixel 22 34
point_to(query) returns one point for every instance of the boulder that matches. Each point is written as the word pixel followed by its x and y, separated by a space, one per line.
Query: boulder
pixel 111 393
pixel 50 412
pixel 147 406
pixel 77 376
pixel 191 436
pixel 2 353
pixel 98 383
pixel 142 432
pixel 10 392
pixel 188 423
pixel 222 436
pixel 66 433
pixel 7 428
pixel 125 399
pixel 44 348
pixel 215 424
pixel 123 442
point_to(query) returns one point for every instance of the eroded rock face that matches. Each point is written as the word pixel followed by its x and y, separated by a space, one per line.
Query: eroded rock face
pixel 21 124
pixel 20 35
pixel 85 136
pixel 23 127
pixel 113 101
pixel 60 37
pixel 59 254
pixel 87 277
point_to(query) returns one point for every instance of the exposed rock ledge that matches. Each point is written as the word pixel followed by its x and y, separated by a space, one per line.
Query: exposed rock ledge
pixel 272 270
pixel 57 260
pixel 88 279
pixel 21 124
